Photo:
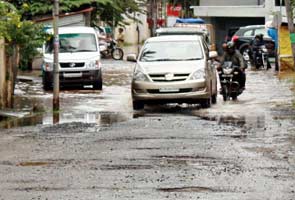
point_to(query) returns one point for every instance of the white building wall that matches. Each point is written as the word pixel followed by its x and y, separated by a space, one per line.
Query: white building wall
pixel 230 2
pixel 131 33
pixel 235 8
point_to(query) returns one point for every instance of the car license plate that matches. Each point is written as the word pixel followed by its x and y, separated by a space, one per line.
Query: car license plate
pixel 72 75
pixel 169 90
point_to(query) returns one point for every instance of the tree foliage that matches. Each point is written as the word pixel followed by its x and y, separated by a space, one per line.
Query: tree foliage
pixel 110 11
pixel 22 33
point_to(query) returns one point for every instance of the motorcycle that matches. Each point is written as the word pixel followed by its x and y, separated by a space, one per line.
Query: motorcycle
pixel 110 48
pixel 261 57
pixel 230 87
pixel 247 58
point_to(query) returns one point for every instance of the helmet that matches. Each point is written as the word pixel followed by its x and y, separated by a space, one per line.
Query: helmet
pixel 230 45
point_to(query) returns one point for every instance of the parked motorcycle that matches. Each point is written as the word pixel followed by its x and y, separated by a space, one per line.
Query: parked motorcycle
pixel 261 57
pixel 110 48
pixel 230 87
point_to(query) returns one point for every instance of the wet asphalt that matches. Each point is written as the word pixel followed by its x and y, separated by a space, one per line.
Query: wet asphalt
pixel 102 149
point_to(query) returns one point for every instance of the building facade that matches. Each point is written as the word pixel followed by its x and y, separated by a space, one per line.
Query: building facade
pixel 224 14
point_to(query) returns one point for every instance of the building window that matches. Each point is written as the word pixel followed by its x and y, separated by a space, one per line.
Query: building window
pixel 278 2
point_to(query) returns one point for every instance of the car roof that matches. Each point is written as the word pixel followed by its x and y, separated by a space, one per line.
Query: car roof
pixel 179 31
pixel 175 38
pixel 252 26
pixel 74 29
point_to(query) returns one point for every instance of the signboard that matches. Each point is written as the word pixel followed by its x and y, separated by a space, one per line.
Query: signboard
pixel 173 11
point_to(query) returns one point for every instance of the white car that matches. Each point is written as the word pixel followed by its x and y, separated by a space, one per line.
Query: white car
pixel 174 69
pixel 79 58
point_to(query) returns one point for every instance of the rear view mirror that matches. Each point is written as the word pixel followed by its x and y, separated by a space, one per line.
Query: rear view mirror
pixel 132 57
pixel 213 54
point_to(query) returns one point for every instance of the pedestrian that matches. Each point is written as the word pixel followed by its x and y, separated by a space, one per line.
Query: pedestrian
pixel 121 37
pixel 273 33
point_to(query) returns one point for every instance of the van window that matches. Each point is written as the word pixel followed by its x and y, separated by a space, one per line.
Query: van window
pixel 74 42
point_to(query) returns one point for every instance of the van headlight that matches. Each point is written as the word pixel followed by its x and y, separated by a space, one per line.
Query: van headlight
pixel 138 75
pixel 199 74
pixel 94 64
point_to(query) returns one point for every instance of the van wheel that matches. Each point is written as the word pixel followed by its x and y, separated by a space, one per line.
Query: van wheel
pixel 97 85
pixel 138 105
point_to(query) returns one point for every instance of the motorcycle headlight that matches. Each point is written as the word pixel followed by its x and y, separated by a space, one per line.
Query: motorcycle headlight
pixel 199 74
pixel 48 66
pixel 227 70
pixel 139 75
pixel 93 64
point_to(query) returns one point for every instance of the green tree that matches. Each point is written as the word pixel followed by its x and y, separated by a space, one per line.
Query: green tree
pixel 110 11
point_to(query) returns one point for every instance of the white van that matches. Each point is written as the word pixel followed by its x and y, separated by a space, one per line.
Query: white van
pixel 79 58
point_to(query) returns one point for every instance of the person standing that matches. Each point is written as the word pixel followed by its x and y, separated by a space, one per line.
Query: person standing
pixel 121 37
pixel 273 33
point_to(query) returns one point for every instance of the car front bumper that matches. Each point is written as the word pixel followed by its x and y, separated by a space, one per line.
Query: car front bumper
pixel 77 77
pixel 184 91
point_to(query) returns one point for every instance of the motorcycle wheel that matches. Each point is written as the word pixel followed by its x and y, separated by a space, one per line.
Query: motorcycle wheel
pixel 117 54
pixel 225 93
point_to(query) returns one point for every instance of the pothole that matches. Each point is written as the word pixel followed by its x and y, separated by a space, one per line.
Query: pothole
pixel 188 189
pixel 125 167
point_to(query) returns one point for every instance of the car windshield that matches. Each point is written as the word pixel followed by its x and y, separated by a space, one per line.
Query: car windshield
pixel 171 51
pixel 74 42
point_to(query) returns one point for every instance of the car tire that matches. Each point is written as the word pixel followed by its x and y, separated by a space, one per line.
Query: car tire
pixel 97 85
pixel 214 98
pixel 138 105
pixel 206 103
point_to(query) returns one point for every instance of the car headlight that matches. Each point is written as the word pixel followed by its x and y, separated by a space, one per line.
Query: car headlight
pixel 48 66
pixel 139 75
pixel 199 74
pixel 93 64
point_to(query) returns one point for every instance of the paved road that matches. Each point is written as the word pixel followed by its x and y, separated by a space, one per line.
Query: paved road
pixel 104 150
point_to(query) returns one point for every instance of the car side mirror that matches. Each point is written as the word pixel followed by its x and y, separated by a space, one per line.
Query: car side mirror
pixel 132 57
pixel 213 54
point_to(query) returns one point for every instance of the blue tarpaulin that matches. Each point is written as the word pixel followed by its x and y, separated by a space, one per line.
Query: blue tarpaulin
pixel 190 21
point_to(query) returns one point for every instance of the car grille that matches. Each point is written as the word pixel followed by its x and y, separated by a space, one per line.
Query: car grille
pixel 71 65
pixel 162 77
pixel 180 91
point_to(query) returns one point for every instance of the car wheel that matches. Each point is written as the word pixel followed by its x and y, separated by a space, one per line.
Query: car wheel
pixel 206 103
pixel 138 105
pixel 214 98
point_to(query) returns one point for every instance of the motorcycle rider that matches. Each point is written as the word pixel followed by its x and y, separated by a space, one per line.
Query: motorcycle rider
pixel 234 56
pixel 256 43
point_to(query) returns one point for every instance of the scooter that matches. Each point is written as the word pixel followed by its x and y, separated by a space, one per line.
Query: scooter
pixel 110 48
pixel 230 87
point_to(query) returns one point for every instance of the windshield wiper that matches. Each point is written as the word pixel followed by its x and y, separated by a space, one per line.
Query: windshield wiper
pixel 86 50
pixel 165 59
pixel 193 59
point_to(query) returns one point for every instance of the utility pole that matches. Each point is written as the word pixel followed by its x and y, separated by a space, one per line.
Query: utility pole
pixel 289 12
pixel 55 60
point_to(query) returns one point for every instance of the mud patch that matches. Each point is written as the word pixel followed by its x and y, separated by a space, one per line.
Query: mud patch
pixel 33 164
pixel 125 167
pixel 39 189
pixel 74 127
pixel 188 189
